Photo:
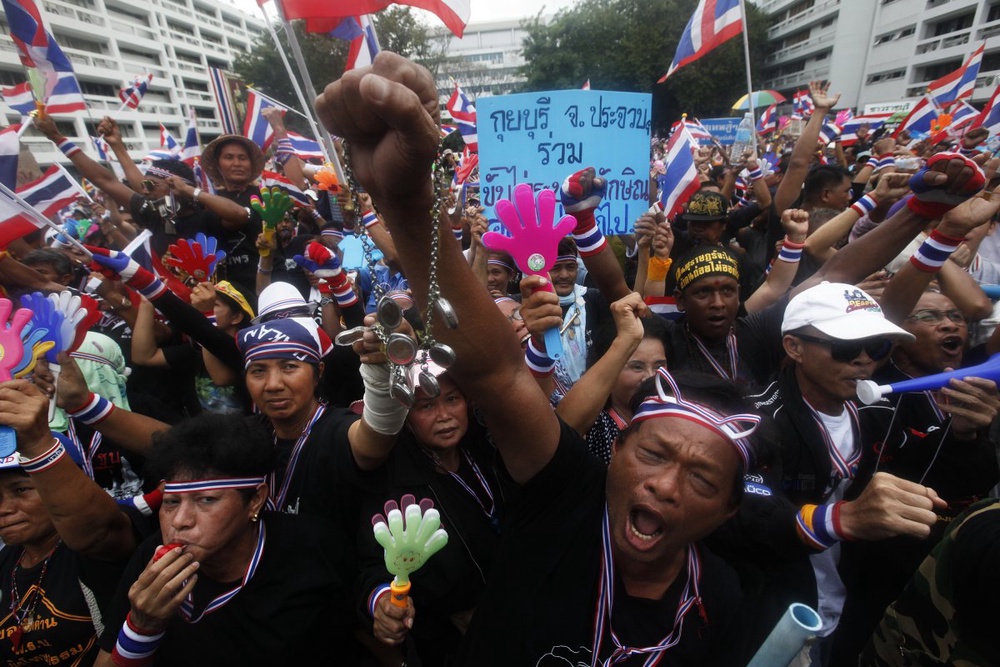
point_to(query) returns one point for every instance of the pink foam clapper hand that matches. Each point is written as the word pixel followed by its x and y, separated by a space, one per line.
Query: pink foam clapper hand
pixel 534 240
pixel 11 352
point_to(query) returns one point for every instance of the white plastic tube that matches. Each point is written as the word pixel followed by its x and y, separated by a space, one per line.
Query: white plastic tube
pixel 799 623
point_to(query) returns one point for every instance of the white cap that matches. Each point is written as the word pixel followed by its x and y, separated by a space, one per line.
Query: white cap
pixel 841 311
pixel 279 296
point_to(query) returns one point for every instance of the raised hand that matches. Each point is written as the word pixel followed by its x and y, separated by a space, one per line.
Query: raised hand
pixel 891 188
pixel 388 113
pixel 795 222
pixel 113 264
pixel 947 180
pixel 190 257
pixel 821 97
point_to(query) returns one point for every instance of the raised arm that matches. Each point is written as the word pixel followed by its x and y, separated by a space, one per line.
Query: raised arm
pixel 388 114
pixel 786 264
pixel 798 165
pixel 95 173
pixel 108 128
pixel 87 519
pixel 586 398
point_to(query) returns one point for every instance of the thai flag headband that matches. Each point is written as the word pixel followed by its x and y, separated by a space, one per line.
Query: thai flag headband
pixel 213 484
pixel 736 429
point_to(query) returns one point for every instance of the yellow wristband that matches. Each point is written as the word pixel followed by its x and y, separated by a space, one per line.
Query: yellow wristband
pixel 658 268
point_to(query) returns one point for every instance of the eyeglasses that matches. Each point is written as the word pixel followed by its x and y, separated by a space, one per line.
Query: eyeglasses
pixel 930 316
pixel 849 350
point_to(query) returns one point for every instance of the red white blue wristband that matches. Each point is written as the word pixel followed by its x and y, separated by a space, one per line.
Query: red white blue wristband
pixel 95 410
pixel 819 525
pixel 864 206
pixel 589 239
pixel 134 647
pixel 790 252
pixel 373 598
pixel 43 461
pixel 934 251
pixel 458 232
pixel 68 148
pixel 756 174
pixel 333 232
pixel 538 361
pixel 369 219
pixel 285 147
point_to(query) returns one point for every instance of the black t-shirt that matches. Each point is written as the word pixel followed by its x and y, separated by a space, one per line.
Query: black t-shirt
pixel 154 216
pixel 63 632
pixel 290 612
pixel 240 265
pixel 538 608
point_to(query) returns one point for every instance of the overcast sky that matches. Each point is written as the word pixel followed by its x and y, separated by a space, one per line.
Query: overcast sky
pixel 482 10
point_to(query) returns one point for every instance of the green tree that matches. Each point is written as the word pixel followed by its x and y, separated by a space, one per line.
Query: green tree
pixel 628 45
pixel 326 57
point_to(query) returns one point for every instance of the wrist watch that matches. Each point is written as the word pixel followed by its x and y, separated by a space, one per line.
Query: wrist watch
pixel 196 194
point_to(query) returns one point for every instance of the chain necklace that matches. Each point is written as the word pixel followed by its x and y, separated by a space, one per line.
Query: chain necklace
pixel 428 345
pixel 24 613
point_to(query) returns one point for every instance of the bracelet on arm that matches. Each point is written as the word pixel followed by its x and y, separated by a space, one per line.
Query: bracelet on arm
pixel 43 461
pixel 538 361
pixel 934 251
pixel 93 411
pixel 68 148
pixel 791 252
pixel 864 206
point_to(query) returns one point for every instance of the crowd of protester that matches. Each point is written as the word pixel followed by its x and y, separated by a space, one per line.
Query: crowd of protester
pixel 693 462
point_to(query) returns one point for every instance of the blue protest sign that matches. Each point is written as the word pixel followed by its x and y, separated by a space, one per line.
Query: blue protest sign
pixel 723 129
pixel 541 138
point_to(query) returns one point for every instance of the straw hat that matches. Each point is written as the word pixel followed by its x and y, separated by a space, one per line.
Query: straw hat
pixel 210 156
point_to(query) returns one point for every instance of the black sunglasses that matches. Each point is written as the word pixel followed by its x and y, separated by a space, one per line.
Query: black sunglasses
pixel 849 350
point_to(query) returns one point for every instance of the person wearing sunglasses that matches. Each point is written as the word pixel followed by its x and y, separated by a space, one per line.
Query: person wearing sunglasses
pixel 823 490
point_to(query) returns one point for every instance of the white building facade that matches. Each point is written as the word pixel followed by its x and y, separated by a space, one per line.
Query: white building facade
pixel 878 52
pixel 111 41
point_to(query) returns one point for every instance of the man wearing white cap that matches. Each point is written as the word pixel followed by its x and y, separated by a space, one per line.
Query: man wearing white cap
pixel 824 492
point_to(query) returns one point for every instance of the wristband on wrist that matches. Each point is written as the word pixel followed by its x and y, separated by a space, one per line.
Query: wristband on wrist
pixel 864 206
pixel 790 252
pixel 43 461
pixel 658 268
pixel 457 231
pixel 756 174
pixel 934 251
pixel 285 146
pixel 538 361
pixel 262 269
pixel 374 597
pixel 135 647
pixel 342 290
pixel 93 411
pixel 873 162
pixel 68 148
pixel 816 526
pixel 588 237
pixel 369 219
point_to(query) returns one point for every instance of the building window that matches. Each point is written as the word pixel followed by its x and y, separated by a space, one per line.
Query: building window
pixel 797 38
pixel 994 13
pixel 991 62
pixel 102 89
pixel 937 70
pixel 800 7
pixel 886 76
pixel 952 24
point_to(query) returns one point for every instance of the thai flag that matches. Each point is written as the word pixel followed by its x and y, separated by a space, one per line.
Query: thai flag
pixel 10 149
pixel 359 31
pixel 270 179
pixel 201 177
pixel 964 115
pixel 168 143
pixel 829 132
pixel 713 22
pixel 802 104
pixel 38 48
pixel 463 112
pixel 192 147
pixel 48 195
pixel 849 136
pixel 681 178
pixel 920 118
pixel 140 250
pixel 664 306
pixel 255 126
pixel 446 130
pixel 132 94
pixel 990 115
pixel 768 122
pixel 19 98
pixel 103 150
pixel 959 84
pixel 698 131
pixel 306 149
pixel 454 13
pixel 223 101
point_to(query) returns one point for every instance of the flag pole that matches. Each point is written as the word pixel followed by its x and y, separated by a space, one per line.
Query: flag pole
pixel 29 210
pixel 746 53
pixel 326 142
pixel 72 180
pixel 280 104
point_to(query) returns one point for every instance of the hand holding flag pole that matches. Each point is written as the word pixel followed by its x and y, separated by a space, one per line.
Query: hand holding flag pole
pixel 39 219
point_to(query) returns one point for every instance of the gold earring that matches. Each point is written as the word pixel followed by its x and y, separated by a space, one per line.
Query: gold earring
pixel 253 519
